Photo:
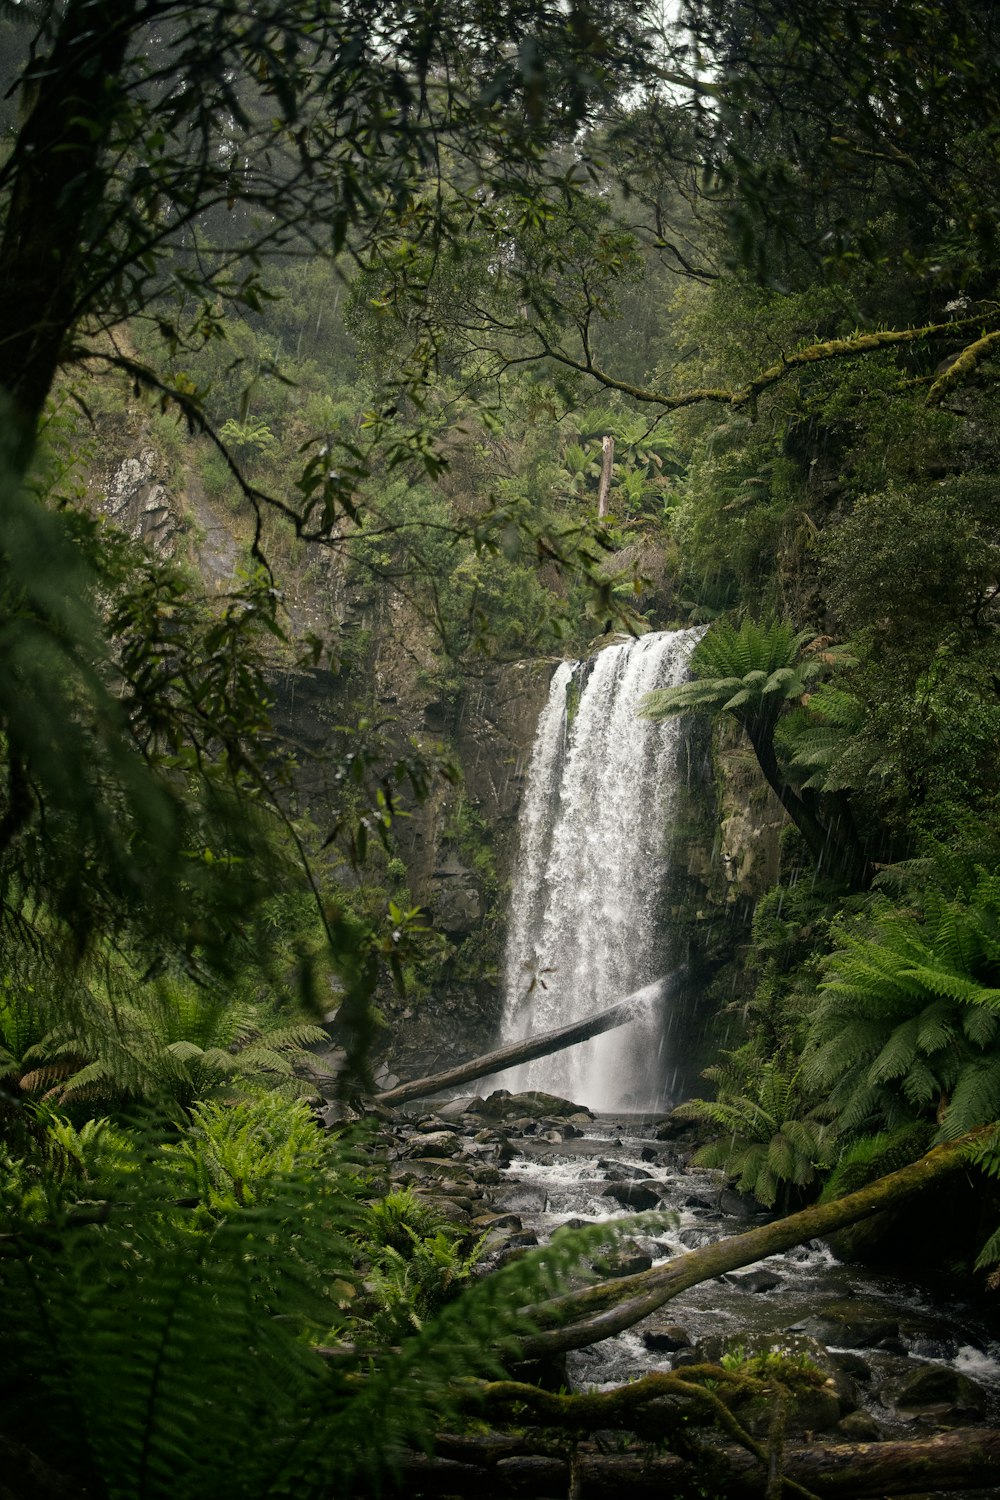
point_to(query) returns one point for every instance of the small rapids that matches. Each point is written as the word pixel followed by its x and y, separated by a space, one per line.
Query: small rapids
pixel 902 1324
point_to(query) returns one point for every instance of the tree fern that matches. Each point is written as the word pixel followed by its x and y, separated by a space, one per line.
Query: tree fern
pixel 770 1140
pixel 908 1018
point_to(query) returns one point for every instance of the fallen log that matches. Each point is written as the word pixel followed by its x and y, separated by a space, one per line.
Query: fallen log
pixel 597 1312
pixel 966 1458
pixel 529 1048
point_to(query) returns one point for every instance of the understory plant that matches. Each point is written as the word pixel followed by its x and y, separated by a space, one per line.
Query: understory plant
pixel 771 1141
pixel 183 1310
pixel 908 1024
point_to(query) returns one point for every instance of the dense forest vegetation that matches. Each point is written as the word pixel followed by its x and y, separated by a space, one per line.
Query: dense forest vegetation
pixel 381 281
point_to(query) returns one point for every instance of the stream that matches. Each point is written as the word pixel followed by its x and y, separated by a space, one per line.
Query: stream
pixel 885 1335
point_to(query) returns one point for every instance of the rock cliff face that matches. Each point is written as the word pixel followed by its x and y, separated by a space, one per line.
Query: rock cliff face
pixel 458 846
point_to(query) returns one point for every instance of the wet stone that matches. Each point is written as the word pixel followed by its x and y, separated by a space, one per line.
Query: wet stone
pixel 638 1195
pixel 621 1171
pixel 859 1427
pixel 497 1221
pixel 852 1364
pixel 854 1324
pixel 457 1109
pixel 937 1386
pixel 753 1281
pixel 626 1259
pixel 437 1143
pixel 665 1338
pixel 738 1205
pixel 533 1105
pixel 931 1348
pixel 455 1210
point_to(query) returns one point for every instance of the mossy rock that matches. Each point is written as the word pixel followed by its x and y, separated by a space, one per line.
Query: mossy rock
pixel 533 1105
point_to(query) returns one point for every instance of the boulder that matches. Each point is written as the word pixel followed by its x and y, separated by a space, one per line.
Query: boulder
pixel 859 1427
pixel 621 1171
pixel 497 1221
pixel 739 1205
pixel 456 1108
pixel 530 1106
pixel 937 1391
pixel 852 1364
pixel 436 1143
pixel 625 1259
pixel 665 1338
pixel 638 1195
pixel 853 1324
pixel 753 1281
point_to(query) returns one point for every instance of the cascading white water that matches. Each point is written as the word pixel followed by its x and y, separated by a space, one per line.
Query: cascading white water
pixel 583 925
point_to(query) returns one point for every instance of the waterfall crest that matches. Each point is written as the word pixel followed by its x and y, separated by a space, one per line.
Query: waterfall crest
pixel 584 929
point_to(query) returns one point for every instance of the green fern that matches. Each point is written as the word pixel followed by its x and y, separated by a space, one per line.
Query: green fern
pixel 871 1156
pixel 167 1309
pixel 770 1141
pixel 909 1014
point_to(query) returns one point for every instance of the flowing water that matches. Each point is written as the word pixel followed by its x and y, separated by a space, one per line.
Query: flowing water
pixel 584 922
pixel 585 931
pixel 922 1322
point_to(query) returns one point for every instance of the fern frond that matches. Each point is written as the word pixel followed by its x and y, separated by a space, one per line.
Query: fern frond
pixel 989 1255
pixel 976 1099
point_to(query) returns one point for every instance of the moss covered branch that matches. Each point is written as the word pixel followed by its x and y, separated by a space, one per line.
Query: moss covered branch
pixel 828 349
pixel 965 365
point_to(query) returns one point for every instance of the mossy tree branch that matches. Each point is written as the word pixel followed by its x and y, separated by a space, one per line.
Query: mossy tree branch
pixel 745 396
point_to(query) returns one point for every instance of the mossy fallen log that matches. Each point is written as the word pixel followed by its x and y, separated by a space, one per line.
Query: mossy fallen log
pixel 492 1465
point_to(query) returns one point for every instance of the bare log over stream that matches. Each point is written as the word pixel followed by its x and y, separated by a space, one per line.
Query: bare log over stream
pixel 530 1047
pixel 597 1312
pixel 968 1458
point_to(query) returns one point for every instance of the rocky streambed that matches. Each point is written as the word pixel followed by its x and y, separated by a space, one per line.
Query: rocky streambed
pixel 904 1358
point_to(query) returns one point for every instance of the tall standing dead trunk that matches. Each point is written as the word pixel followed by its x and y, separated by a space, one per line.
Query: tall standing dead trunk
pixel 607 465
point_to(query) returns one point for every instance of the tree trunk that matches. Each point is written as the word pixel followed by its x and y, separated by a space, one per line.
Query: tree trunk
pixel 833 842
pixel 493 1465
pixel 58 179
pixel 597 1312
pixel 607 464
pixel 531 1047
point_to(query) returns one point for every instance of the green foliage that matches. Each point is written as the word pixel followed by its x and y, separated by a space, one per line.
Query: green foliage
pixel 249 439
pixel 408 1285
pixel 771 1141
pixel 870 1156
pixel 818 738
pixel 168 1298
pixel 775 1364
pixel 907 1027
pixel 749 671
pixel 159 1348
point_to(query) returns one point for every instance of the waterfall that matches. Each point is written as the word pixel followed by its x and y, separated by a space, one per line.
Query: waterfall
pixel 584 923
